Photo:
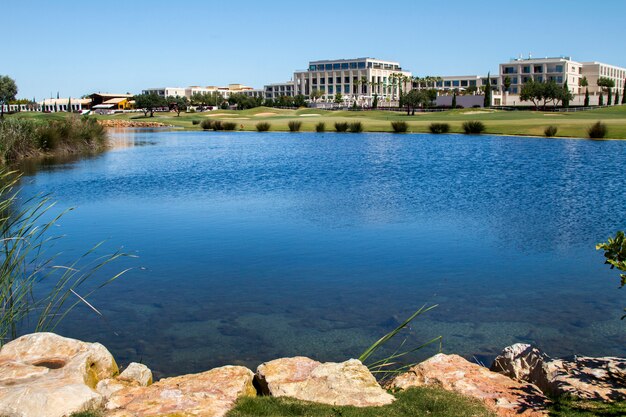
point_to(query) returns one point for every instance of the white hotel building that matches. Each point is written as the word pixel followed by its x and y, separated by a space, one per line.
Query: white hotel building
pixel 356 79
pixel 559 70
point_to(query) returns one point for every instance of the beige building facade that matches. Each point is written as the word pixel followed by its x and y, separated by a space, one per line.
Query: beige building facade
pixel 358 80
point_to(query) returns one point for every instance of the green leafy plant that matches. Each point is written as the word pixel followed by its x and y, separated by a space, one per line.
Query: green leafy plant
pixel 355 127
pixel 399 127
pixel 27 267
pixel 393 364
pixel 294 125
pixel 195 122
pixel 615 254
pixel 229 125
pixel 597 131
pixel 320 127
pixel 439 128
pixel 341 126
pixel 263 126
pixel 473 127
pixel 550 131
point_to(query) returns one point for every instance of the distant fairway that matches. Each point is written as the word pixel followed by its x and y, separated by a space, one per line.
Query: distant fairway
pixel 497 122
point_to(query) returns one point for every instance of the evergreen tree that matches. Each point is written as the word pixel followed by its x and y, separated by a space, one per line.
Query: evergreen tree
pixel 609 100
pixel 624 93
pixel 601 100
pixel 487 102
pixel 586 97
pixel 453 100
pixel 375 102
pixel 69 105
pixel 566 96
pixel 616 101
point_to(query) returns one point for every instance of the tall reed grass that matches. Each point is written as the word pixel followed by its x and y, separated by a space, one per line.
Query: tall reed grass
pixel 33 285
pixel 20 138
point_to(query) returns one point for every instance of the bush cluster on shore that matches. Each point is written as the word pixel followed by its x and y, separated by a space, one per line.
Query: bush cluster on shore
pixel 438 128
pixel 20 138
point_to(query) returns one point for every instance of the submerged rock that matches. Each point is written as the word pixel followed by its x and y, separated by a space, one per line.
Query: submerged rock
pixel 46 375
pixel 581 376
pixel 345 383
pixel 208 394
pixel 500 393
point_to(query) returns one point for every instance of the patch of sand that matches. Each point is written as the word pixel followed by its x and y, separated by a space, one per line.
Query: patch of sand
pixel 476 112
pixel 219 115
pixel 264 114
pixel 553 114
pixel 310 115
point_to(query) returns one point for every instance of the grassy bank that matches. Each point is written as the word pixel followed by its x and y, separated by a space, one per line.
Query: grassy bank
pixel 496 122
pixel 23 137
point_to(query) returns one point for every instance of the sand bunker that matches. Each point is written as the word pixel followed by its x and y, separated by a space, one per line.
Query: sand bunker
pixel 476 112
pixel 310 115
pixel 264 114
pixel 220 115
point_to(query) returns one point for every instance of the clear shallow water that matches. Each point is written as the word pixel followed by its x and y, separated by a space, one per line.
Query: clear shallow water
pixel 254 246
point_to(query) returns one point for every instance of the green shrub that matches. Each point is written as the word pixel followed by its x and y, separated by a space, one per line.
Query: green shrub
pixel 294 126
pixel 229 125
pixel 218 125
pixel 550 131
pixel 263 126
pixel 320 127
pixel 356 127
pixel 192 110
pixel 597 131
pixel 474 127
pixel 341 126
pixel 195 122
pixel 439 128
pixel 399 127
pixel 206 124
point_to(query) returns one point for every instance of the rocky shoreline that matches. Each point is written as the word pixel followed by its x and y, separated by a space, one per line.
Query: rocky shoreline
pixel 47 375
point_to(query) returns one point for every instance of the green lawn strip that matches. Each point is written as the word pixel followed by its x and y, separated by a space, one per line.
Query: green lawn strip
pixel 432 402
pixel 497 122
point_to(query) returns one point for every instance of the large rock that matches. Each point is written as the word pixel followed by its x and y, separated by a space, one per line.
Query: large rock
pixel 345 383
pixel 207 394
pixel 46 375
pixel 583 377
pixel 135 375
pixel 501 394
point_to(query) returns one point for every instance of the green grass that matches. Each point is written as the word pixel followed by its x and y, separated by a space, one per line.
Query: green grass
pixel 577 408
pixel 431 402
pixel 531 123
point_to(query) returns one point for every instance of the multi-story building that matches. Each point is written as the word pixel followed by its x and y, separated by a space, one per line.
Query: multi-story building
pixel 191 90
pixel 273 91
pixel 592 71
pixel 356 79
pixel 461 83
pixel 166 91
pixel 559 70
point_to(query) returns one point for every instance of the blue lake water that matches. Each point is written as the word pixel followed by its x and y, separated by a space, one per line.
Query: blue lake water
pixel 253 246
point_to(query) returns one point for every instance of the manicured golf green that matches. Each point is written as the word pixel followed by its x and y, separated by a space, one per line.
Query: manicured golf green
pixel 533 123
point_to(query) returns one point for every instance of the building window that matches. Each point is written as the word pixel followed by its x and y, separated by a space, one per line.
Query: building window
pixel 514 80
pixel 559 68
pixel 322 80
pixel 314 81
pixel 330 89
pixel 369 65
pixel 472 83
pixel 338 80
pixel 328 67
pixel 447 83
pixel 538 68
pixel 439 83
pixel 526 69
pixel 509 70
pixel 463 83
pixel 455 83
pixel 346 80
pixel 559 79
pixel 346 89
pixel 352 65
pixel 344 65
pixel 336 66
pixel 361 65
pixel 312 67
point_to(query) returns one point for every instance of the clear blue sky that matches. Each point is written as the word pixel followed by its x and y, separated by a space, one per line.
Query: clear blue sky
pixel 78 47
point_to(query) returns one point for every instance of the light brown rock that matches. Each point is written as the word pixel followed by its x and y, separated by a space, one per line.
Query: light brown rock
pixel 207 394
pixel 581 376
pixel 137 372
pixel 46 375
pixel 501 394
pixel 345 383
